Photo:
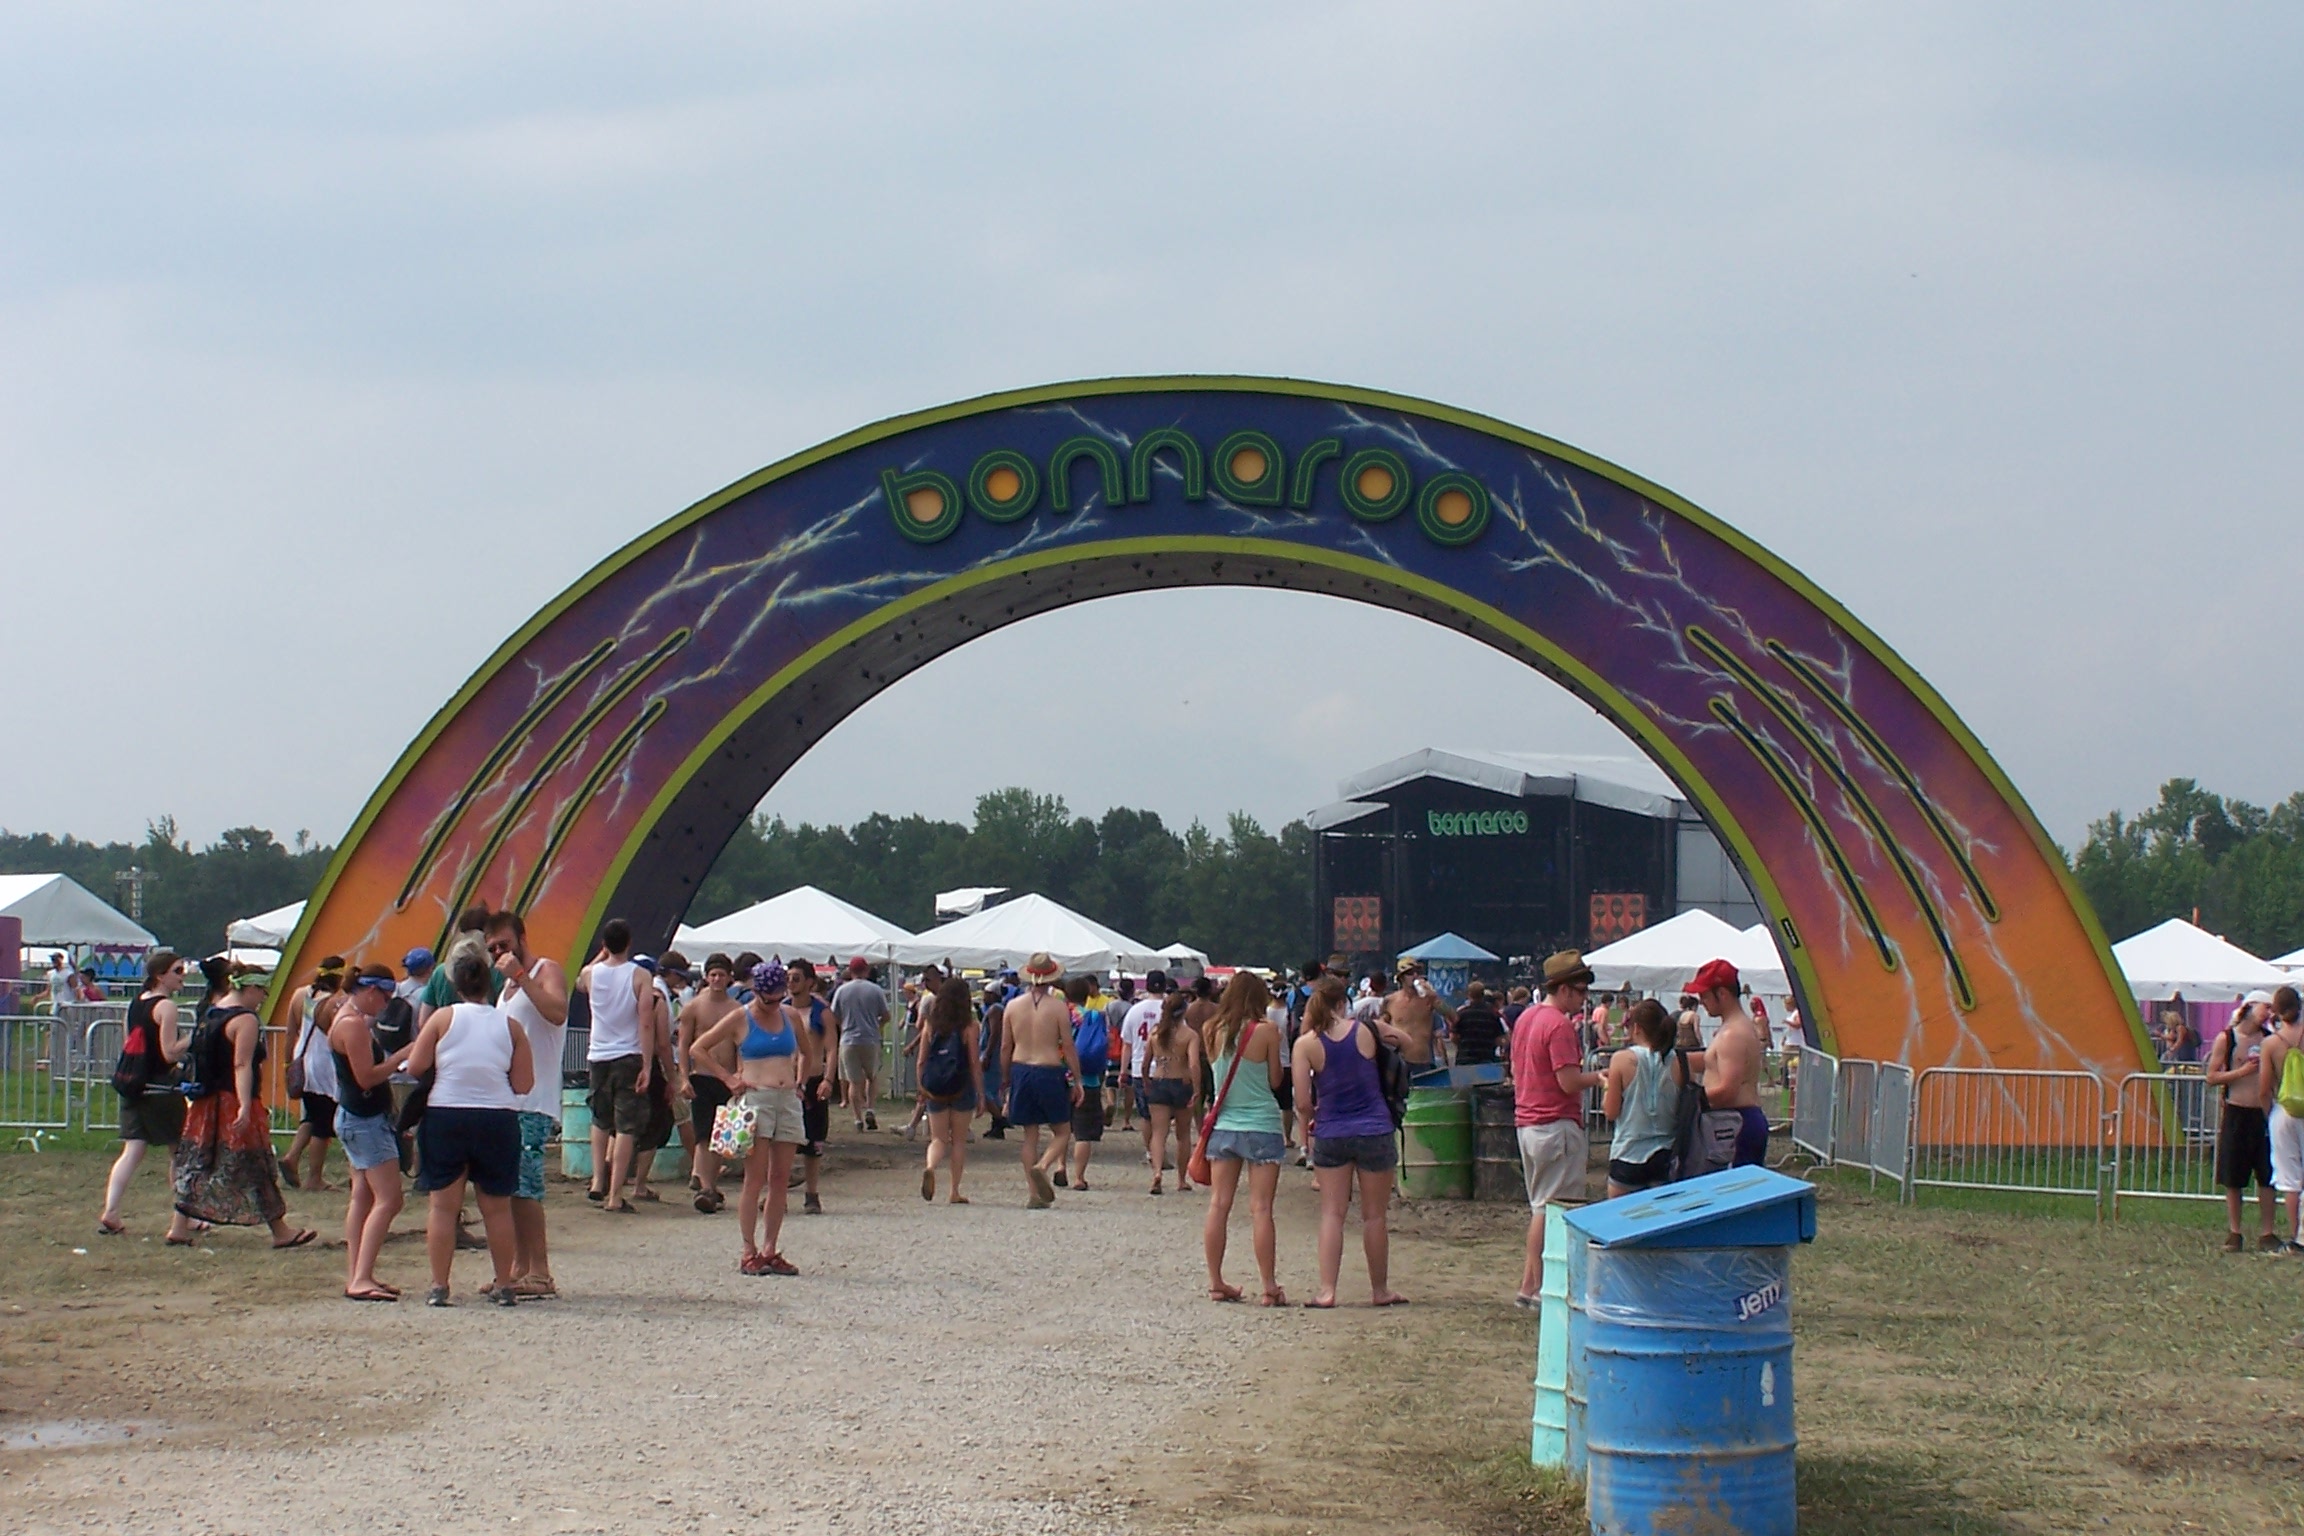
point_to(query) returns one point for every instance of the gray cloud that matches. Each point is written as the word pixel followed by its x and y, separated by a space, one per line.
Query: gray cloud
pixel 331 346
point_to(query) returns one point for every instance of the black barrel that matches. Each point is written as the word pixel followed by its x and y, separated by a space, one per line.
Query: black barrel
pixel 1495 1145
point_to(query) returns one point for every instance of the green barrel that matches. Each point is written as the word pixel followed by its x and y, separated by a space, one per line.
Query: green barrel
pixel 1436 1156
pixel 575 1133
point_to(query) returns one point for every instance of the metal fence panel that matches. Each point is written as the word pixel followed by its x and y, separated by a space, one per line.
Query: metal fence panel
pixel 2163 1139
pixel 35 1091
pixel 1891 1122
pixel 1814 1079
pixel 2017 1131
pixel 1854 1087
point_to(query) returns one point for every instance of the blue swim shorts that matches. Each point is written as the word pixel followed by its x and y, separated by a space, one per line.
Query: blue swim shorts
pixel 535 1131
pixel 1039 1096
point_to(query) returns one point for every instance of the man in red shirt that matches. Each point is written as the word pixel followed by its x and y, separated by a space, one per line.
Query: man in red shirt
pixel 1548 1084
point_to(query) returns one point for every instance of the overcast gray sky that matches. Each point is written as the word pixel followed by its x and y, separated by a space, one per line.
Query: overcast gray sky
pixel 332 345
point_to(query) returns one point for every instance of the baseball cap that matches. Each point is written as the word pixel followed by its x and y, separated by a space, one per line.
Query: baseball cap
pixel 1716 973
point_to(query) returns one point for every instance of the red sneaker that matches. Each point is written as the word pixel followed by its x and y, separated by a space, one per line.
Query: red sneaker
pixel 753 1264
pixel 777 1264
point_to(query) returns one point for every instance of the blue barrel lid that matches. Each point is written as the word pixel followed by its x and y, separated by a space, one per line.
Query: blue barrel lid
pixel 1734 1208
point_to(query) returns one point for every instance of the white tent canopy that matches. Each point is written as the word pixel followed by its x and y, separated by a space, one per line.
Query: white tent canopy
pixel 802 924
pixel 266 930
pixel 2292 962
pixel 1011 933
pixel 58 910
pixel 1664 958
pixel 1183 953
pixel 2177 957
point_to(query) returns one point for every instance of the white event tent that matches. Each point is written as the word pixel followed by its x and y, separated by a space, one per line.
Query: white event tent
pixel 266 930
pixel 802 924
pixel 58 910
pixel 2292 962
pixel 1665 957
pixel 1012 932
pixel 2177 957
pixel 1181 953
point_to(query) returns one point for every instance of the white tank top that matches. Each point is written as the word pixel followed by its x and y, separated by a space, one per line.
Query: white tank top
pixel 615 1012
pixel 473 1061
pixel 545 1042
pixel 313 1050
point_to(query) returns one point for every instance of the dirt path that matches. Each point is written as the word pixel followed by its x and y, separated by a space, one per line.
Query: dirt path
pixel 934 1369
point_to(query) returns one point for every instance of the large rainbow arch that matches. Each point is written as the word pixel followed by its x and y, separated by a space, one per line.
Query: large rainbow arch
pixel 600 759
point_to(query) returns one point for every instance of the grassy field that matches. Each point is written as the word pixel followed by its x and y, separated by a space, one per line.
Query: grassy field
pixel 1977 1365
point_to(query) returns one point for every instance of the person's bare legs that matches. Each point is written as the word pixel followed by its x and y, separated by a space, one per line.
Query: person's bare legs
pixel 1216 1229
pixel 1028 1151
pixel 780 1154
pixel 440 1230
pixel 1157 1143
pixel 318 1148
pixel 601 1142
pixel 620 1150
pixel 531 1253
pixel 1532 1272
pixel 1335 1195
pixel 295 1157
pixel 749 1199
pixel 496 1221
pixel 1376 1236
pixel 1059 1148
pixel 2270 1202
pixel 1263 1187
pixel 124 1173
pixel 1077 1162
pixel 952 1125
pixel 376 1197
pixel 1183 1122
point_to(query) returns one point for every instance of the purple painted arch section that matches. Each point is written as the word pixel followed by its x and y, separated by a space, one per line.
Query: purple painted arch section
pixel 605 754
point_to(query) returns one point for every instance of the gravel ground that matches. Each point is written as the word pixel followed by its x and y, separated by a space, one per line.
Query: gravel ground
pixel 935 1369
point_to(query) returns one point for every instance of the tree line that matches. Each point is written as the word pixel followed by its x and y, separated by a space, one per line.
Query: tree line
pixel 1240 894
pixel 1243 894
pixel 2238 867
pixel 190 895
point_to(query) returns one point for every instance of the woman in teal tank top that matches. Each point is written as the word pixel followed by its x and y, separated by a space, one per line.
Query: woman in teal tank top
pixel 1247 1131
pixel 1642 1098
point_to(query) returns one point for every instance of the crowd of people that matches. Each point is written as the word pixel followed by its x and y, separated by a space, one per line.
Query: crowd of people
pixel 447 1073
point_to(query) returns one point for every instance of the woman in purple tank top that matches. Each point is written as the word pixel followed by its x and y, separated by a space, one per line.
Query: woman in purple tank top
pixel 1350 1130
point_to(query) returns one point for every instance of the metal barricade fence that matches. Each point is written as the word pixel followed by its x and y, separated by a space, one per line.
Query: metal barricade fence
pixel 1854 1085
pixel 35 1093
pixel 2027 1132
pixel 1891 1123
pixel 95 1056
pixel 2163 1145
pixel 1815 1077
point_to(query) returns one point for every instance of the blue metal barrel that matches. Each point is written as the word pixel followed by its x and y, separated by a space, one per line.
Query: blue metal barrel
pixel 1688 1391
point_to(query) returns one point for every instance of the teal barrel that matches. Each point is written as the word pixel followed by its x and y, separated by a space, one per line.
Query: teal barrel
pixel 576 1133
pixel 1688 1390
pixel 1496 1171
pixel 1436 1150
pixel 1548 1435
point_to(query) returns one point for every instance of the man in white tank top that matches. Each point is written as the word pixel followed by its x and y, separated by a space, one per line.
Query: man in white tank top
pixel 616 988
pixel 535 997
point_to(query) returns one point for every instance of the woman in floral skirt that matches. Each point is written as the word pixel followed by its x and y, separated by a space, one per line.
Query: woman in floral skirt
pixel 225 1170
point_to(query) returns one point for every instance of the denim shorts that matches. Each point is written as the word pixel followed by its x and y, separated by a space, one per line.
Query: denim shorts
pixel 535 1131
pixel 368 1140
pixel 1372 1154
pixel 1247 1147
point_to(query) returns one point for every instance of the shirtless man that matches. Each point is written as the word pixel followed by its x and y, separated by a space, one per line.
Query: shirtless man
pixel 1732 1061
pixel 707 1079
pixel 1040 1074
pixel 2243 1136
pixel 1411 1007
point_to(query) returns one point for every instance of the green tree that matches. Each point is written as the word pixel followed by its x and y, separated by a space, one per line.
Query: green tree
pixel 2237 866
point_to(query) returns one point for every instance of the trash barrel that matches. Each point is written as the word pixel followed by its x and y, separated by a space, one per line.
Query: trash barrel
pixel 1495 1145
pixel 1680 1379
pixel 1436 1158
pixel 576 1133
pixel 1548 1434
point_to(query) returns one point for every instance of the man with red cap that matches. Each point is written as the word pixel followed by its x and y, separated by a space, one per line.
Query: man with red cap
pixel 1732 1061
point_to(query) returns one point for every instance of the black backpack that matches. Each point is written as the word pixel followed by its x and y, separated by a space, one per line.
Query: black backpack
pixel 945 1072
pixel 133 1074
pixel 208 1058
pixel 1392 1075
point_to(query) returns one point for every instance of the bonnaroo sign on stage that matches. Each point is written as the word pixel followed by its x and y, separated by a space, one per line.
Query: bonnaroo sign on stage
pixel 597 763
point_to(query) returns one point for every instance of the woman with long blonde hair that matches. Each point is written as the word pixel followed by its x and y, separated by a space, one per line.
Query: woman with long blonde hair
pixel 1247 1131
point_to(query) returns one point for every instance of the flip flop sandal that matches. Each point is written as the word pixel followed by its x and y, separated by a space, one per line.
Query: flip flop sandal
pixel 536 1290
pixel 705 1205
pixel 111 1231
pixel 1229 1293
pixel 1320 1306
pixel 370 1296
pixel 1397 1301
pixel 648 1195
pixel 622 1208
pixel 1275 1297
pixel 299 1240
pixel 183 1242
